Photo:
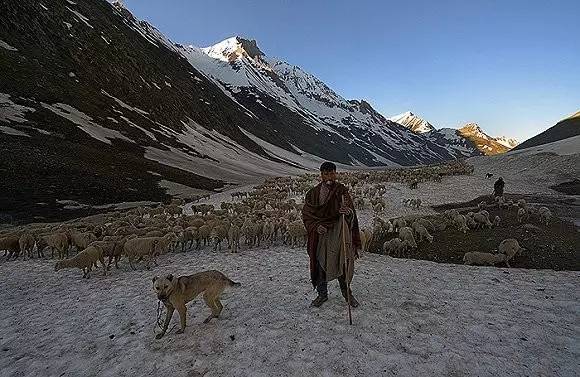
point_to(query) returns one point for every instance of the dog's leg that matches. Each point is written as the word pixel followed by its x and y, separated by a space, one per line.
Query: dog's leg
pixel 210 302
pixel 182 310
pixel 170 310
pixel 104 267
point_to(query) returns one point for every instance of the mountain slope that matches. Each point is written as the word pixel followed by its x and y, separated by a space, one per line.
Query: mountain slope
pixel 564 129
pixel 100 107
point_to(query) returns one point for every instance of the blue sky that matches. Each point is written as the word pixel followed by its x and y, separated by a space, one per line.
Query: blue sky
pixel 511 66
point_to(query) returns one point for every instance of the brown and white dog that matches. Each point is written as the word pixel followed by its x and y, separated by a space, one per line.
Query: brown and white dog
pixel 175 293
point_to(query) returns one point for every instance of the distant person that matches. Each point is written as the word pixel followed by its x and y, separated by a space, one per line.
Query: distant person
pixel 322 213
pixel 498 187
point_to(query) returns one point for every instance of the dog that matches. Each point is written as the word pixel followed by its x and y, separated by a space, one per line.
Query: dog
pixel 488 176
pixel 175 293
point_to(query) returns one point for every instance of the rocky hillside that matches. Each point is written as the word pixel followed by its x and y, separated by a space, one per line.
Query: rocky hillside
pixel 562 130
pixel 413 122
pixel 486 144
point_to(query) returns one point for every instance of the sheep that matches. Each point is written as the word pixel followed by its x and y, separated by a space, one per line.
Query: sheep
pixel 84 260
pixel 365 237
pixel 545 215
pixel 140 247
pixel 234 238
pixel 112 248
pixel 26 243
pixel 204 232
pixel 189 234
pixel 421 232
pixel 484 259
pixel 56 241
pixel 81 240
pixel 510 247
pixel 522 215
pixel 406 234
pixel 165 242
pixel 461 223
pixel 10 244
pixel 218 234
pixel 481 220
pixel 427 224
pixel 481 205
pixel 393 247
pixel 297 233
pixel 496 221
pixel 522 203
pixel 399 223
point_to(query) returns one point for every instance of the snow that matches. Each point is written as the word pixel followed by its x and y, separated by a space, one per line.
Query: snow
pixel 42 6
pixel 506 141
pixel 229 161
pixel 10 111
pixel 105 39
pixel 6 46
pixel 413 122
pixel 148 133
pixel 11 131
pixel 123 104
pixel 80 17
pixel 85 123
pixel 416 318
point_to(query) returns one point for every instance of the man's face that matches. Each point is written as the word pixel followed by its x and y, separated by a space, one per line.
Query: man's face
pixel 328 176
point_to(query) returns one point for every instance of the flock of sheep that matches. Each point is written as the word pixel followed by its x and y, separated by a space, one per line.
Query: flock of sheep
pixel 414 230
pixel 269 214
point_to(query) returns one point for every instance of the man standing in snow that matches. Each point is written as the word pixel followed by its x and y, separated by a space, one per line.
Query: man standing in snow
pixel 327 246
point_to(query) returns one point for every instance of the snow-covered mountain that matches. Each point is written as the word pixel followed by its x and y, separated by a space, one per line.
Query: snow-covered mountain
pixel 413 122
pixel 486 144
pixel 506 141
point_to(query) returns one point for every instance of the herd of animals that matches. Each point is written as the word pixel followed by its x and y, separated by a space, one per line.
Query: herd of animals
pixel 269 214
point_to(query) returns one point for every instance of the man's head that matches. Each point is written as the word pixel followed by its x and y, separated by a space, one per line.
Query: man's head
pixel 328 172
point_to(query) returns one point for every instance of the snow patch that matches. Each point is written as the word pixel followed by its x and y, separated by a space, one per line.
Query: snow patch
pixel 11 131
pixel 85 123
pixel 10 111
pixel 123 104
pixel 6 46
pixel 81 17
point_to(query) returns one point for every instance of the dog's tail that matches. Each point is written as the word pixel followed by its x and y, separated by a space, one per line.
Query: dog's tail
pixel 233 283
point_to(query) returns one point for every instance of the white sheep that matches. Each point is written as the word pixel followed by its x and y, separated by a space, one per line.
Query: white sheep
pixel 481 220
pixel 522 215
pixel 406 234
pixel 84 260
pixel 461 223
pixel 234 238
pixel 393 247
pixel 26 243
pixel 545 215
pixel 421 232
pixel 510 247
pixel 399 223
pixel 141 247
pixel 484 259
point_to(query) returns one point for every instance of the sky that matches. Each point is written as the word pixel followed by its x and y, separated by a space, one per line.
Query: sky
pixel 511 66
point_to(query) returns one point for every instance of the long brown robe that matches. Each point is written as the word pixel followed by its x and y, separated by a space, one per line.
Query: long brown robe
pixel 315 213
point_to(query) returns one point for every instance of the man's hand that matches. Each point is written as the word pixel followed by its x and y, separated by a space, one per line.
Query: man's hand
pixel 345 210
pixel 321 229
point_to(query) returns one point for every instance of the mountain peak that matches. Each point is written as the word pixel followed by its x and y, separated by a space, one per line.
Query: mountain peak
pixel 413 122
pixel 233 48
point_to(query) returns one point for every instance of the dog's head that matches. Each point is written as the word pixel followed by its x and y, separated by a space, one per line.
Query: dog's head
pixel 163 286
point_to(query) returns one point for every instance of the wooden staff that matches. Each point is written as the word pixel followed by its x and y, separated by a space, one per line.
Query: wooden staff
pixel 346 275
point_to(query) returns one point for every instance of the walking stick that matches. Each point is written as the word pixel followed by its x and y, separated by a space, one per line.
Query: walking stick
pixel 346 274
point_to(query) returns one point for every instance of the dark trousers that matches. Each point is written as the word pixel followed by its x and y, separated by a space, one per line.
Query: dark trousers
pixel 322 284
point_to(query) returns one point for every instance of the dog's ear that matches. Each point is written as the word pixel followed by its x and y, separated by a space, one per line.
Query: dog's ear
pixel 170 277
pixel 154 278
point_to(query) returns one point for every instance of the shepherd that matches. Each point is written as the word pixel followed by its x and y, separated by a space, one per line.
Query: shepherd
pixel 332 248
pixel 498 187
